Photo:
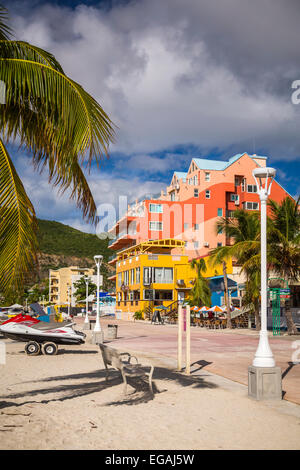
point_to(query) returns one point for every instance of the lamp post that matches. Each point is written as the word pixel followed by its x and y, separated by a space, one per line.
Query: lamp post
pixel 264 378
pixel 69 303
pixel 98 260
pixel 263 179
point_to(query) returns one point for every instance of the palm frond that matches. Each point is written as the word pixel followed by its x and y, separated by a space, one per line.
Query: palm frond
pixel 24 50
pixel 18 242
pixel 75 122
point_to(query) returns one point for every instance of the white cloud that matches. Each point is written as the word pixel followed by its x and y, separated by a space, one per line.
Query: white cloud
pixel 172 72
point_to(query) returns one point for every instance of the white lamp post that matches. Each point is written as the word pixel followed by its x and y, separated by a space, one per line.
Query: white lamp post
pixel 98 260
pixel 86 321
pixel 69 302
pixel 263 178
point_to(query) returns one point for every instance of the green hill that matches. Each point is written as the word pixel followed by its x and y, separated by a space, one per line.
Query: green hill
pixel 59 239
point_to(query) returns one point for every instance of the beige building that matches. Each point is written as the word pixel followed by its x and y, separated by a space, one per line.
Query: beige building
pixel 61 283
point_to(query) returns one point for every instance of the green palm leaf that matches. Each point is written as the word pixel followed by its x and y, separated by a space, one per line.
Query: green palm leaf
pixel 74 121
pixel 18 243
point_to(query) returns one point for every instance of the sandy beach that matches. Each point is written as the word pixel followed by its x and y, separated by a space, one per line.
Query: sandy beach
pixel 64 402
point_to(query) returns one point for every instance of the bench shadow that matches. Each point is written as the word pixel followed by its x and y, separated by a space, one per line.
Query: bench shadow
pixel 288 369
pixel 141 393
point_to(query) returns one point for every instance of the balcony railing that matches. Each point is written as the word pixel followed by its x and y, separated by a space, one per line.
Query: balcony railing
pixel 120 235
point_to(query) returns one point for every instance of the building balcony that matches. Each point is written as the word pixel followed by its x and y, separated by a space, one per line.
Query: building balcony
pixel 122 240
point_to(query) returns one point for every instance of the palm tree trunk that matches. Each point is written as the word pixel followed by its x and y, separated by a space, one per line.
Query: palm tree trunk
pixel 226 296
pixel 257 316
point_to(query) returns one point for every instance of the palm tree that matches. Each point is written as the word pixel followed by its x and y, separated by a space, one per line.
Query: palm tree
pixel 61 125
pixel 244 231
pixel 200 294
pixel 284 241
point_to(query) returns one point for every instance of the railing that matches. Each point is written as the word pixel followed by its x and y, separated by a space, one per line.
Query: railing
pixel 122 234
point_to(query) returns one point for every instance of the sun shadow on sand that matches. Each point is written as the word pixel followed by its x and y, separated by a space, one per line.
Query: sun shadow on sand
pixel 141 392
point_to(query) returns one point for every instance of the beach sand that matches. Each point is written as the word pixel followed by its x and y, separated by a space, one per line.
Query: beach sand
pixel 64 402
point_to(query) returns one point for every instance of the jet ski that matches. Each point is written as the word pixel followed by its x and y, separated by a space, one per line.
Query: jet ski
pixel 39 335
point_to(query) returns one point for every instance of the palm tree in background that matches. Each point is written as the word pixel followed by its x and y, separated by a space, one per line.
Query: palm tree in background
pixel 283 236
pixel 243 229
pixel 63 128
pixel 200 294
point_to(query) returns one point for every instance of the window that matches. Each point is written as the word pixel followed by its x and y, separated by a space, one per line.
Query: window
pixel 126 278
pixel 147 275
pixel 163 295
pixel 207 194
pixel 251 206
pixel 234 197
pixel 219 244
pixel 196 192
pixel 196 245
pixel 196 226
pixel 251 188
pixel 137 275
pixel 157 208
pixel 155 225
pixel 163 275
pixel 220 212
pixel 185 226
pixel 119 279
pixel 195 181
pixel 244 181
pixel 132 276
pixel 148 294
pixel 172 196
pixel 237 181
pixel 207 176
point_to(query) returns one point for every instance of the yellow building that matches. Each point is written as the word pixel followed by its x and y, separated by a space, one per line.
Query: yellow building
pixel 154 273
pixel 61 283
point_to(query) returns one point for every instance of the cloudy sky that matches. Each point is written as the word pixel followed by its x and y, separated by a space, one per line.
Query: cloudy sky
pixel 180 79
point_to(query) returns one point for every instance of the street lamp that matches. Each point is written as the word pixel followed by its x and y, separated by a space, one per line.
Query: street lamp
pixel 264 378
pixel 86 321
pixel 263 179
pixel 69 300
pixel 98 260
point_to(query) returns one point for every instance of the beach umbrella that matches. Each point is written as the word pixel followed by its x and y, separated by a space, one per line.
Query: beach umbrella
pixel 195 309
pixel 203 309
pixel 215 309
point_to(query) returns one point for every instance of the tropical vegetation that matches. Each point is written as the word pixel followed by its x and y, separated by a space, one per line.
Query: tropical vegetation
pixel 283 252
pixel 64 129
pixel 200 294
pixel 80 288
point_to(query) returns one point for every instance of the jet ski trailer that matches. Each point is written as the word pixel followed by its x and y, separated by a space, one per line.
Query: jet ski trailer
pixel 41 336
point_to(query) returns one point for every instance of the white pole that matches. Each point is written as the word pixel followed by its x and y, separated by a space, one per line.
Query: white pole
pixel 98 260
pixel 69 303
pixel 188 341
pixel 179 341
pixel 263 356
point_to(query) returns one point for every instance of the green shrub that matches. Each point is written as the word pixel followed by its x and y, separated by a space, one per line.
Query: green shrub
pixel 138 315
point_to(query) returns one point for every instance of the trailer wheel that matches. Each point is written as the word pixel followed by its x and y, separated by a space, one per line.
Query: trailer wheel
pixel 49 349
pixel 32 348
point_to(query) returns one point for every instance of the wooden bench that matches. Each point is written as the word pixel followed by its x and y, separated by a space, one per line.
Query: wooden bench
pixel 111 357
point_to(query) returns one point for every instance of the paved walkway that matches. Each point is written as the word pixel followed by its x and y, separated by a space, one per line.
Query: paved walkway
pixel 227 353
